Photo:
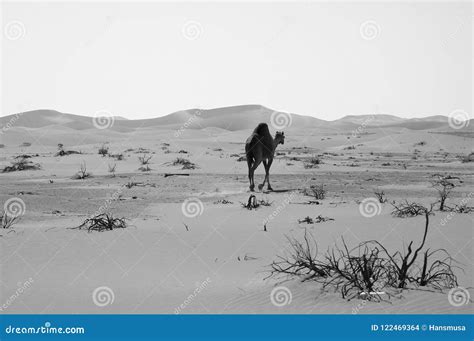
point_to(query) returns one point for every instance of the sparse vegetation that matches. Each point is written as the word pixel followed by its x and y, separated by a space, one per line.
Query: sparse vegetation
pixel 406 209
pixel 8 221
pixel 313 162
pixel 444 184
pixel 20 164
pixel 62 152
pixel 253 203
pixel 184 162
pixel 145 159
pixel 102 222
pixel 316 191
pixel 111 169
pixel 380 196
pixel 104 150
pixel 82 173
pixel 25 144
pixel 317 220
pixel 369 268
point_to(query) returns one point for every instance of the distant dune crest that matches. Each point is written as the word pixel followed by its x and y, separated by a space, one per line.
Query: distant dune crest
pixel 233 118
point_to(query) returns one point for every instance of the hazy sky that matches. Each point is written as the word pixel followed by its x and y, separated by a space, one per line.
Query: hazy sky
pixel 151 59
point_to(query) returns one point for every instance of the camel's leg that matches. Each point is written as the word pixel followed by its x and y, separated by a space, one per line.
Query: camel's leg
pixel 267 171
pixel 266 175
pixel 251 184
pixel 256 163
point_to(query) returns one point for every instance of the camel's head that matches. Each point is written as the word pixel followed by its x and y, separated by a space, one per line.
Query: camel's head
pixel 280 137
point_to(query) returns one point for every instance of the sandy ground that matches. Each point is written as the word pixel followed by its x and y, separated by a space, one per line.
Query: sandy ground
pixel 158 262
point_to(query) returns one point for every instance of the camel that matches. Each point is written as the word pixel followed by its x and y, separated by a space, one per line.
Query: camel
pixel 260 146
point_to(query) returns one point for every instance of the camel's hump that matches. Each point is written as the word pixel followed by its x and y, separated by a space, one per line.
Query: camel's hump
pixel 261 129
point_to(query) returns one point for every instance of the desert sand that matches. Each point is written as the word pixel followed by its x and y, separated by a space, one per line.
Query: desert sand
pixel 156 264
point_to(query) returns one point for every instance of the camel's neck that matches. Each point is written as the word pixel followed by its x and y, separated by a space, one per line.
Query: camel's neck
pixel 274 145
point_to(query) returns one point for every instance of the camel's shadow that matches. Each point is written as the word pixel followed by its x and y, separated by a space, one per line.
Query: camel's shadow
pixel 280 190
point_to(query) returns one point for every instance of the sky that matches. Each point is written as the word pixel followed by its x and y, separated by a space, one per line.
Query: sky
pixel 327 60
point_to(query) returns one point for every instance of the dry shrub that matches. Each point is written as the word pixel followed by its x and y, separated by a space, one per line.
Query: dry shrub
pixel 8 221
pixel 21 164
pixel 253 203
pixel 184 162
pixel 82 173
pixel 316 191
pixel 103 150
pixel 144 159
pixel 102 222
pixel 406 209
pixel 369 268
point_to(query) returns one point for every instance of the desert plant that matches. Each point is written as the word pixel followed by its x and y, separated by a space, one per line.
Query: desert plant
pixel 102 222
pixel 407 209
pixel 145 168
pixel 118 157
pixel 144 159
pixel 103 150
pixel 300 260
pixel 21 163
pixel 443 184
pixel 380 196
pixel 439 274
pixel 316 191
pixel 111 169
pixel 312 162
pixel 82 173
pixel 25 144
pixel 361 275
pixel 184 162
pixel 8 221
